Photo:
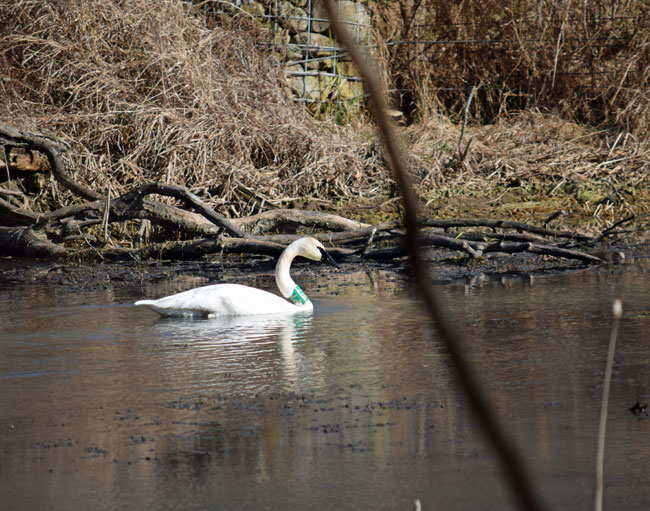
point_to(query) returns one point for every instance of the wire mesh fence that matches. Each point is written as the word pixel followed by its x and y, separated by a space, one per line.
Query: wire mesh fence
pixel 541 55
pixel 589 61
pixel 316 68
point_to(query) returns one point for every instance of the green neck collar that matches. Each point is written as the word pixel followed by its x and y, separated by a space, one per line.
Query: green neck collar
pixel 298 296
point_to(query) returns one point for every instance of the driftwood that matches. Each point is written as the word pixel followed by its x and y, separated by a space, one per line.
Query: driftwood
pixel 132 205
pixel 191 249
pixel 505 224
pixel 42 234
pixel 17 160
pixel 269 220
pixel 25 242
pixel 479 249
pixel 11 215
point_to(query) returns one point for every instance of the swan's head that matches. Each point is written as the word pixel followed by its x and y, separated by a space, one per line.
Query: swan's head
pixel 313 249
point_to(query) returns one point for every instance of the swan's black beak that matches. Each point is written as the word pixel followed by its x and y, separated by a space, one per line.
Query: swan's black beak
pixel 326 258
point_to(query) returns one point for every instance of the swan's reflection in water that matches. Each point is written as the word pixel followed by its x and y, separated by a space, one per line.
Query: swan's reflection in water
pixel 235 329
pixel 242 352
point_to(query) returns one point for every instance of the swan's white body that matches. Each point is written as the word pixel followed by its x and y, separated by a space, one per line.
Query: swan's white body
pixel 238 300
pixel 223 300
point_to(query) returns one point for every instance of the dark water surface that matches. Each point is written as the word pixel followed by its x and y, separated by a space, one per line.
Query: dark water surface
pixel 104 406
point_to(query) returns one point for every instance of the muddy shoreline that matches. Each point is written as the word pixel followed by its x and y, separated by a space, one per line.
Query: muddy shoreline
pixel 446 267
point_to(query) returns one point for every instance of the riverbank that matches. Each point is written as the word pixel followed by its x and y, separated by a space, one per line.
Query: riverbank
pixel 225 128
pixel 444 267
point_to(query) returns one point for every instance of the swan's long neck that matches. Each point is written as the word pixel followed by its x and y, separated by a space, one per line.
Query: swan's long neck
pixel 286 285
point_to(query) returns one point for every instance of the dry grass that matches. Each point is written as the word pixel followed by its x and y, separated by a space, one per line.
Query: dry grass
pixel 146 91
pixel 527 147
pixel 529 165
pixel 586 61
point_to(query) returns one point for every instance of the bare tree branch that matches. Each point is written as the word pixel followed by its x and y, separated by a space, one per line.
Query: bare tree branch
pixel 53 150
pixel 190 199
pixel 504 224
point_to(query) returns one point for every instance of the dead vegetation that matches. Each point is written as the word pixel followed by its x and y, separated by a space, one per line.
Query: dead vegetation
pixel 142 93
pixel 588 62
pixel 145 92
pixel 29 234
pixel 560 111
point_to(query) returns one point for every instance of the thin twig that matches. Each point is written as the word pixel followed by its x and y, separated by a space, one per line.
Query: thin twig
pixel 605 232
pixel 97 252
pixel 107 211
pixel 5 151
pixel 617 312
pixel 462 154
pixel 144 226
pixel 553 216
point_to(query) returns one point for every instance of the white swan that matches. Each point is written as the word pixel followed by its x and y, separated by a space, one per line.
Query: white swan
pixel 238 300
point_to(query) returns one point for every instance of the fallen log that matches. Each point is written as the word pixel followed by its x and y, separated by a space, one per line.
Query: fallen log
pixel 387 230
pixel 25 242
pixel 272 245
pixel 128 207
pixel 477 249
pixel 536 248
pixel 133 206
pixel 245 233
pixel 273 219
pixel 191 249
pixel 13 216
pixel 504 224
pixel 179 192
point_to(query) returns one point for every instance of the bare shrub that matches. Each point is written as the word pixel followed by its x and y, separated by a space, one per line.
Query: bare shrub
pixel 145 91
pixel 586 61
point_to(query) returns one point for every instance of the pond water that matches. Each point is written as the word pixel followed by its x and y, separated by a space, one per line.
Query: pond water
pixel 105 406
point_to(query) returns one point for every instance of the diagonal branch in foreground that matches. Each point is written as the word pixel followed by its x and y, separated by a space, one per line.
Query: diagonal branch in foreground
pixel 511 462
